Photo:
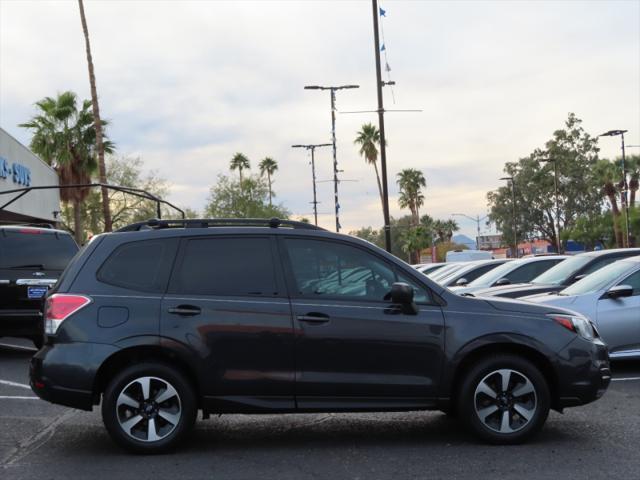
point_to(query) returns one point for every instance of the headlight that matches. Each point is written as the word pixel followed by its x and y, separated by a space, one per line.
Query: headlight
pixel 576 323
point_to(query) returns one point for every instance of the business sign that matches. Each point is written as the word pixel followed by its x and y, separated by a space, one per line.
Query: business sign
pixel 20 174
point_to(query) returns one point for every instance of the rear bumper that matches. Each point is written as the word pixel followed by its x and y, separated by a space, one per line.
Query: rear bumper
pixel 585 372
pixel 21 323
pixel 65 373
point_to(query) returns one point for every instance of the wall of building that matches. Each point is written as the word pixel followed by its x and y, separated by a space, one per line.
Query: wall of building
pixel 20 168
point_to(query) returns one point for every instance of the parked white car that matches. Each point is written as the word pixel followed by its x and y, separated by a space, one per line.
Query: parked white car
pixel 522 270
pixel 468 255
pixel 469 271
pixel 610 297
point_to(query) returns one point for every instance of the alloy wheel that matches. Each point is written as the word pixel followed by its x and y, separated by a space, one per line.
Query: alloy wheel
pixel 505 401
pixel 148 409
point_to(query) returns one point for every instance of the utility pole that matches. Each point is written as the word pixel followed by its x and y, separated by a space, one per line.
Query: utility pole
pixel 383 143
pixel 333 137
pixel 555 185
pixel 515 225
pixel 313 173
pixel 477 219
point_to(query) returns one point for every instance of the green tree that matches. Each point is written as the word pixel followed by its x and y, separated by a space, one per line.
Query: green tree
pixel 65 137
pixel 268 166
pixel 445 229
pixel 369 234
pixel 227 200
pixel 414 240
pixel 633 167
pixel 126 208
pixel 102 172
pixel 239 162
pixel 369 139
pixel 576 154
pixel 410 182
pixel 608 175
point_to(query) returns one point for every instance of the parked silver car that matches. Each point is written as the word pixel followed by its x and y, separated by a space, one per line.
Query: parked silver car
pixel 610 297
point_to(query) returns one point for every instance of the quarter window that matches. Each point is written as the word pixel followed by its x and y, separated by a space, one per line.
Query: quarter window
pixel 226 266
pixel 142 265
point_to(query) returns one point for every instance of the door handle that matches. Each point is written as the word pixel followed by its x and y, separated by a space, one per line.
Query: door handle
pixel 314 318
pixel 185 310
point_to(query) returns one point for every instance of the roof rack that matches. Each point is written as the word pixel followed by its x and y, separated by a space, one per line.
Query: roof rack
pixel 155 224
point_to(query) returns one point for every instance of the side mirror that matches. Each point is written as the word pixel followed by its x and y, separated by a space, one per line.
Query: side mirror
pixel 503 281
pixel 402 294
pixel 579 277
pixel 462 282
pixel 620 291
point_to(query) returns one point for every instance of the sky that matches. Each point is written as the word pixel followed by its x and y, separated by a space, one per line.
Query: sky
pixel 187 84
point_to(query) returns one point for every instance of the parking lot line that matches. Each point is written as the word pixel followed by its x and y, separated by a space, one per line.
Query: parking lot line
pixel 17 397
pixel 19 347
pixel 14 384
pixel 628 379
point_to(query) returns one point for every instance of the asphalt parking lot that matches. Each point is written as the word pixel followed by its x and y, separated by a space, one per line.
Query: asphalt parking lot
pixel 44 441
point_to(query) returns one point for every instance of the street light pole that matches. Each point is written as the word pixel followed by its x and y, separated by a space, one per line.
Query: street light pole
pixel 313 174
pixel 477 219
pixel 515 226
pixel 625 185
pixel 555 184
pixel 333 138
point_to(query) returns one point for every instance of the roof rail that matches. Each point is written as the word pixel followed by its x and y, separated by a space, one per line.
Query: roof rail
pixel 8 223
pixel 155 224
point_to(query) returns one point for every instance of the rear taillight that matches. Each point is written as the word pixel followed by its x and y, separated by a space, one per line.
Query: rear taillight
pixel 59 307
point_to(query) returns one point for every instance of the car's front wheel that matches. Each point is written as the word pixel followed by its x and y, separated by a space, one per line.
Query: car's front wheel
pixel 504 399
pixel 148 408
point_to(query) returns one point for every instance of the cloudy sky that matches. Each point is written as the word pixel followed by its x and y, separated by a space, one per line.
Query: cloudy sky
pixel 186 84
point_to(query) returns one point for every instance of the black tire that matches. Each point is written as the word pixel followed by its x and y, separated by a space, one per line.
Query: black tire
pixel 183 404
pixel 499 427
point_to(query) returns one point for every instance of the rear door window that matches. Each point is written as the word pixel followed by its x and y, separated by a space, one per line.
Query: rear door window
pixel 143 265
pixel 226 266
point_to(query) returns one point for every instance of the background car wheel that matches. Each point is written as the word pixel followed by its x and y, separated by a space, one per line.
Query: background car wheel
pixel 504 399
pixel 148 408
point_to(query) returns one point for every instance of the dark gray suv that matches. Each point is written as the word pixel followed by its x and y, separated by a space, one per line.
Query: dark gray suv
pixel 168 318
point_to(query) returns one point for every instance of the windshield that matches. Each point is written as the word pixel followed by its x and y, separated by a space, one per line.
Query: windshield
pixel 599 279
pixel 46 251
pixel 560 273
pixel 495 274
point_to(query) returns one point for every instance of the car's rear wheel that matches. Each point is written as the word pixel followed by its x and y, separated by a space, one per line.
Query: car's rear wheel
pixel 148 408
pixel 504 399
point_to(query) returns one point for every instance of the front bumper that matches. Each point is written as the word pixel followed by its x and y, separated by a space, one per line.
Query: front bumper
pixel 64 373
pixel 584 373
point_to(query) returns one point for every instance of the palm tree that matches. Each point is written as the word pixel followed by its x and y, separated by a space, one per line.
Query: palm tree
pixel 368 138
pixel 102 170
pixel 239 162
pixel 633 167
pixel 269 166
pixel 607 172
pixel 411 181
pixel 65 138
pixel 450 226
